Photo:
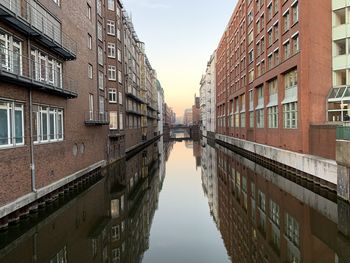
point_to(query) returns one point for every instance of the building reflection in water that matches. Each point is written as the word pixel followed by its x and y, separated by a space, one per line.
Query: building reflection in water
pixel 264 217
pixel 109 222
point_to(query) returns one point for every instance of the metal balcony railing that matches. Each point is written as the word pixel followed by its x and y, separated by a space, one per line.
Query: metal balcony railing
pixel 29 17
pixel 44 74
pixel 93 118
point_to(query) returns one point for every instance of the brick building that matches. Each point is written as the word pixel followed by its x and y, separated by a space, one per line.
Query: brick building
pixel 69 96
pixel 272 78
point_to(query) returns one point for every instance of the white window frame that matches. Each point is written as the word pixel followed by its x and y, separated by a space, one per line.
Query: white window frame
pixel 111 27
pixel 112 73
pixel 111 50
pixel 112 95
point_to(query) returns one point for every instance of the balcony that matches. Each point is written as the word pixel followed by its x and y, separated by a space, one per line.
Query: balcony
pixel 96 118
pixel 34 21
pixel 40 75
pixel 132 92
pixel 134 112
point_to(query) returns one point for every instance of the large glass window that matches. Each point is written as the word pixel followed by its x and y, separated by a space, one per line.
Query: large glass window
pixel 111 5
pixel 113 123
pixel 10 53
pixel 46 69
pixel 292 229
pixel 290 115
pixel 47 124
pixel 11 123
pixel 110 27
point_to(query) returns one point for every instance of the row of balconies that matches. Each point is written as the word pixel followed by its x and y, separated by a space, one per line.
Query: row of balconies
pixel 31 19
pixel 36 73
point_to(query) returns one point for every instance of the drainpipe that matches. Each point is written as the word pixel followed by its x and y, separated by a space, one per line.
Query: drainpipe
pixel 32 162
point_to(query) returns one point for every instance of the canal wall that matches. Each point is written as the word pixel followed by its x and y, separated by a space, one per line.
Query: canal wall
pixel 323 171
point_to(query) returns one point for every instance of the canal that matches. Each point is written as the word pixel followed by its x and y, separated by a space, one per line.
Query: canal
pixel 184 202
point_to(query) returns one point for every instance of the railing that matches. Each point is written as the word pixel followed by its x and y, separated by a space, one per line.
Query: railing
pixel 343 132
pixel 96 118
pixel 40 72
pixel 41 20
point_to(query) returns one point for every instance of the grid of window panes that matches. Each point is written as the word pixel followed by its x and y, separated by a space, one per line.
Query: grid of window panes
pixel 11 123
pixel 47 124
pixel 290 115
pixel 292 229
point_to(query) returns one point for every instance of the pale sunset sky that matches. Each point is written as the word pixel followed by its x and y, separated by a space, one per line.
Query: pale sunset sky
pixel 180 36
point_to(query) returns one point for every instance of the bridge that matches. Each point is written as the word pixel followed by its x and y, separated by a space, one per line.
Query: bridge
pixel 181 132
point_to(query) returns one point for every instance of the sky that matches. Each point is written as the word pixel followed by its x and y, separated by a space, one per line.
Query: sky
pixel 180 36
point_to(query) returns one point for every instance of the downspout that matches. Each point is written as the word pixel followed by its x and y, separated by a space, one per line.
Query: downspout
pixel 32 161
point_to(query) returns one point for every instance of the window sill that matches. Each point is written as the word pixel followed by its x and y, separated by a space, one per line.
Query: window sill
pixel 10 147
pixel 47 142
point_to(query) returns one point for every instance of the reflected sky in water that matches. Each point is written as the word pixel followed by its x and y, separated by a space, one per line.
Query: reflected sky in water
pixel 185 202
pixel 183 230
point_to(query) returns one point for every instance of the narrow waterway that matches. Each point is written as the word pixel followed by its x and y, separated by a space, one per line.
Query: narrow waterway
pixel 184 202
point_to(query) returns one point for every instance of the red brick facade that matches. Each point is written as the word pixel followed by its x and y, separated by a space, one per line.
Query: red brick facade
pixel 263 42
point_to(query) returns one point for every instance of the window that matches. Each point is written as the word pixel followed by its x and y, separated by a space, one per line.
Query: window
pixel 110 5
pixel 251 119
pixel 250 17
pixel 120 76
pixel 119 53
pixel 290 115
pixel 90 71
pixel 286 47
pixel 286 20
pixel 113 120
pixel 295 40
pixel 99 7
pixel 110 27
pixel 89 41
pixel 295 12
pixel 91 106
pixel 276 56
pixel 47 123
pixel 111 50
pixel 112 75
pixel 276 31
pixel 115 208
pixel 276 6
pixel 251 76
pixel 260 118
pixel 269 61
pixel 99 31
pixel 269 35
pixel 118 34
pixel 112 95
pixel 251 56
pixel 292 229
pixel 120 99
pixel 275 213
pixel 273 117
pixel 10 53
pixel 100 80
pixel 269 11
pixel 46 69
pixel 11 123
pixel 116 255
pixel 100 55
pixel 121 121
pixel 237 113
pixel 102 105
pixel 57 2
pixel 60 257
pixel 89 11
pixel 115 232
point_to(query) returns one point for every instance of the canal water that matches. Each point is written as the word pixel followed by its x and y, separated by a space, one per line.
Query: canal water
pixel 184 202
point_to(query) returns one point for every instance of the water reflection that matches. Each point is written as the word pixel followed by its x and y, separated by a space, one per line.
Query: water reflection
pixel 246 214
pixel 264 217
pixel 109 222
